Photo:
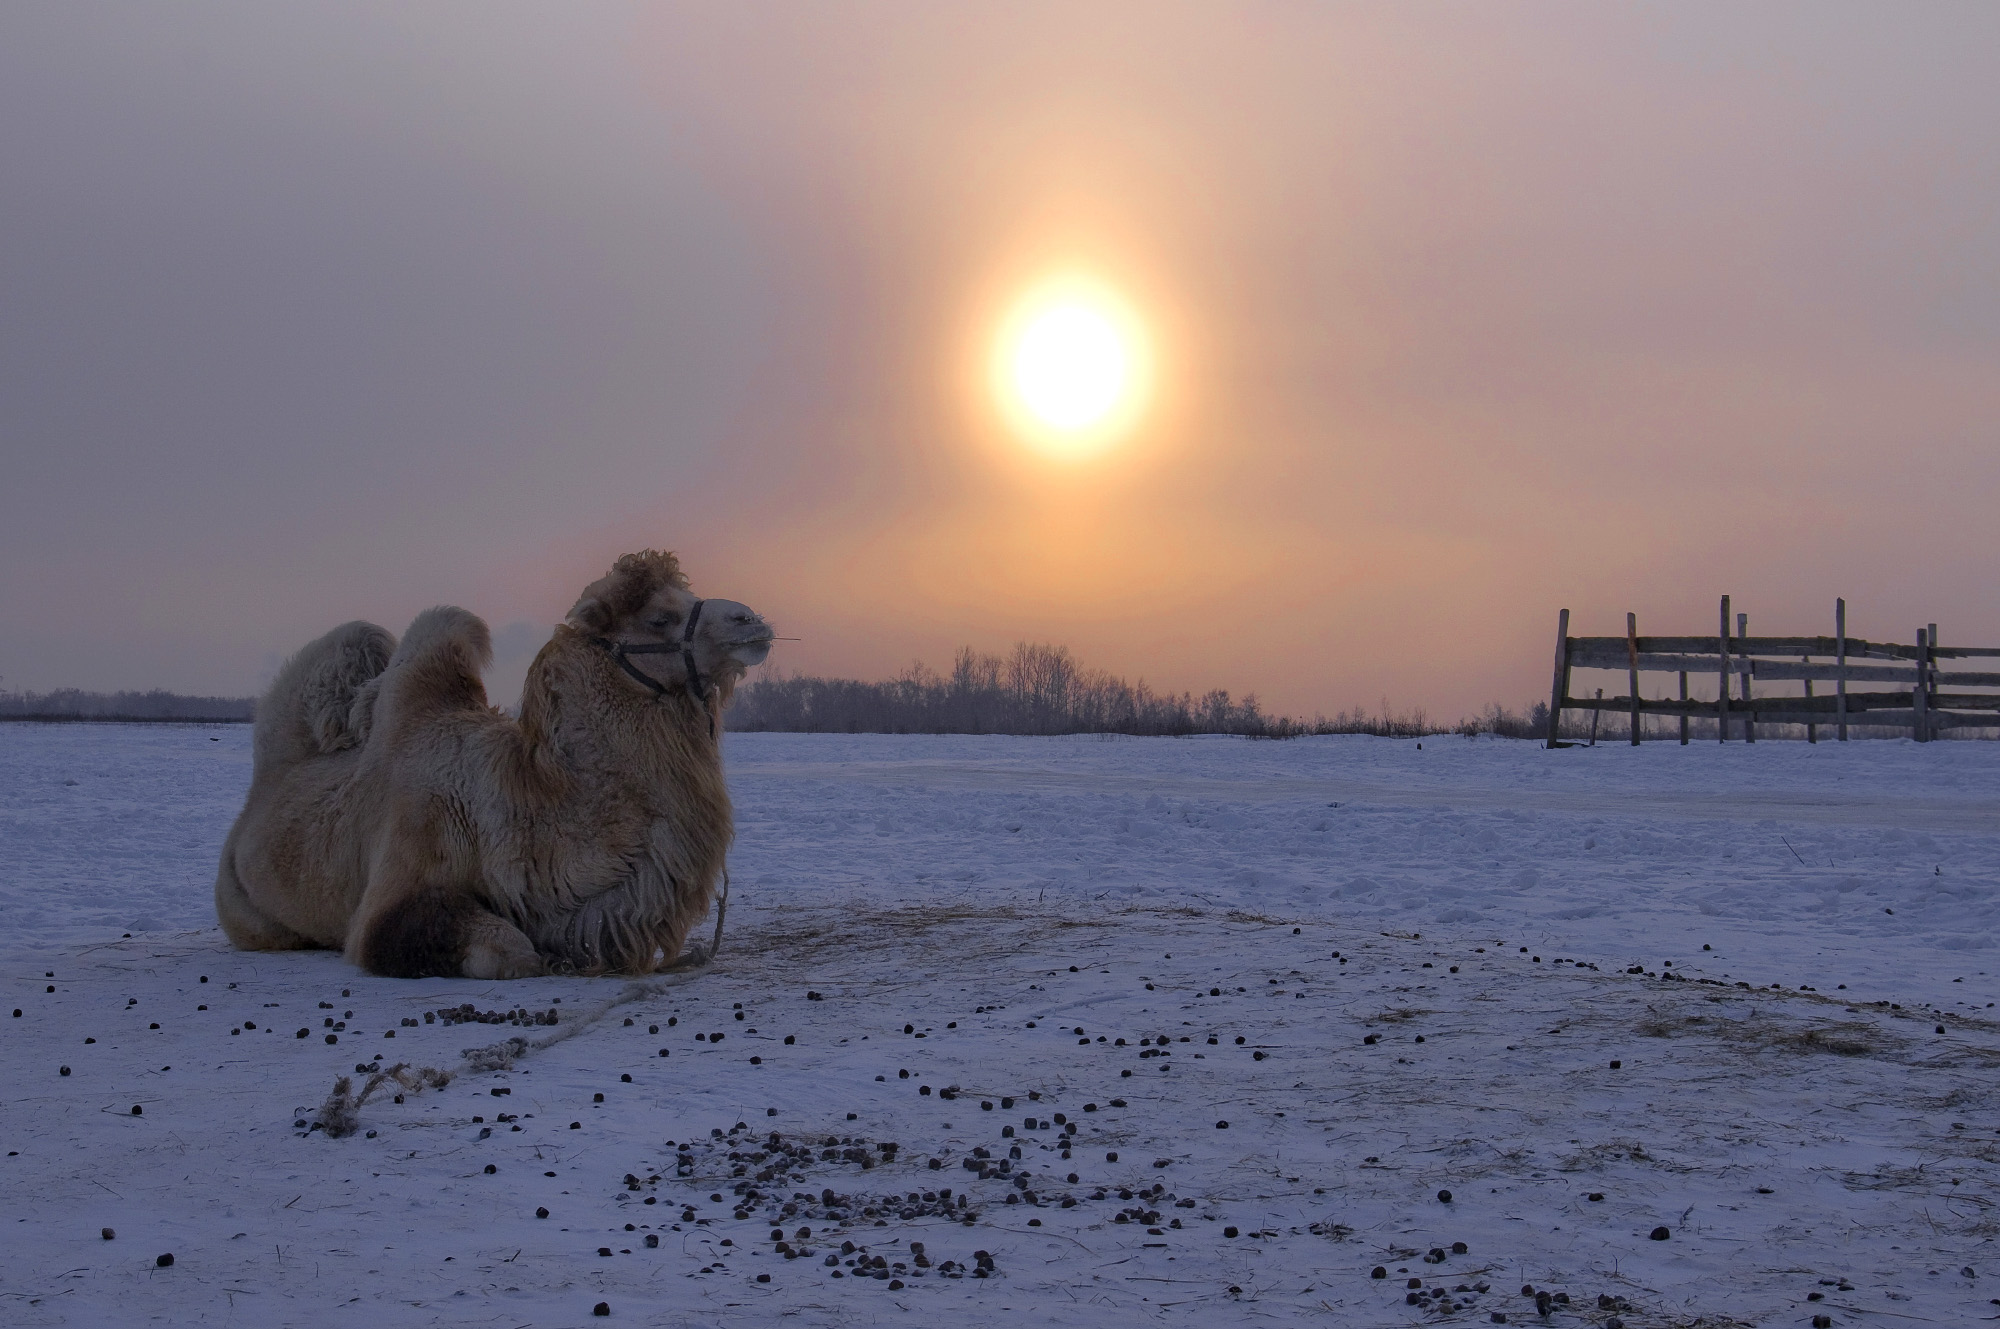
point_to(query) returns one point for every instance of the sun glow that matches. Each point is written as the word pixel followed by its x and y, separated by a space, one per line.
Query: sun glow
pixel 1070 367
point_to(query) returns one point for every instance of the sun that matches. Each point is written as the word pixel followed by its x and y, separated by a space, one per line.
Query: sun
pixel 1070 367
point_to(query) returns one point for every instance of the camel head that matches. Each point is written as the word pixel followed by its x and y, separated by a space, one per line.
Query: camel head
pixel 664 635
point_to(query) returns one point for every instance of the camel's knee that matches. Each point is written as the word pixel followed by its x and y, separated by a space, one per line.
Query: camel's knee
pixel 247 926
pixel 496 948
pixel 443 934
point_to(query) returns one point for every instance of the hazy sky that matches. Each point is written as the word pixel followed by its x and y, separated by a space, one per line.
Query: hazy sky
pixel 1461 314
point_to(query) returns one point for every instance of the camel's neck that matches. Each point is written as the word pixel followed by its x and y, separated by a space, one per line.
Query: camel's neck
pixel 600 737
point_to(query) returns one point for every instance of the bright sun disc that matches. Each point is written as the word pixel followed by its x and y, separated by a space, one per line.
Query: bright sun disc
pixel 1069 368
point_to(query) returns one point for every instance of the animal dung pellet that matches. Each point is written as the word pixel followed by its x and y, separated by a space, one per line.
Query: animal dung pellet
pixel 1595 1196
pixel 1617 1065
pixel 165 1261
pixel 1229 1232
pixel 625 1078
pixel 601 1308
pixel 491 1169
pixel 106 1233
pixel 541 1212
pixel 1222 1125
pixel 1444 1197
pixel 1660 1233
pixel 138 1111
pixel 597 1098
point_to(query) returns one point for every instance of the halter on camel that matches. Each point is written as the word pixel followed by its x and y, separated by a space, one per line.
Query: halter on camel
pixel 684 648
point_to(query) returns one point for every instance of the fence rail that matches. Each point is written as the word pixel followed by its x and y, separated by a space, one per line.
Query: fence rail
pixel 1922 698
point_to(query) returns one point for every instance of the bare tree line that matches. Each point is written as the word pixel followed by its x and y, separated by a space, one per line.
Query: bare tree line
pixel 156 705
pixel 1043 689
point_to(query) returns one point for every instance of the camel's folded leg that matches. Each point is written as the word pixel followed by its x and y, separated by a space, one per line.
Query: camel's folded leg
pixel 442 933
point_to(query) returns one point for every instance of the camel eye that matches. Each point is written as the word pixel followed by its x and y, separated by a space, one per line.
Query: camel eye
pixel 663 621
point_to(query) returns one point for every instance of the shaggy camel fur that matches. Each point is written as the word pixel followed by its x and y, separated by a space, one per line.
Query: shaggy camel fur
pixel 394 814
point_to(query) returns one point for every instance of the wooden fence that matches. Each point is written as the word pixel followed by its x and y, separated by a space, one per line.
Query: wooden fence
pixel 1921 696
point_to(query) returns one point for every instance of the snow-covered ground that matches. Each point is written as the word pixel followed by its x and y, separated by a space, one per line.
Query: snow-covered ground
pixel 1412 964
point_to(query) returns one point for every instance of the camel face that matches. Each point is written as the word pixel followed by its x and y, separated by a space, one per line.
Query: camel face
pixel 729 636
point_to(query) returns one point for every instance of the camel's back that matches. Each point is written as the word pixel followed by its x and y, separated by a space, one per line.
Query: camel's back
pixel 357 736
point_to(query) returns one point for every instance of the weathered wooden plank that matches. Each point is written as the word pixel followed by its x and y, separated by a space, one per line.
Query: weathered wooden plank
pixel 1936 719
pixel 1783 648
pixel 1861 708
pixel 1776 670
pixel 1583 657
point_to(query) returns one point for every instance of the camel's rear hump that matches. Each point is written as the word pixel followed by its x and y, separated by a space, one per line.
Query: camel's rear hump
pixel 320 701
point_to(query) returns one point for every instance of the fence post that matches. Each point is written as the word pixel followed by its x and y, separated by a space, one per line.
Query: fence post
pixel 1812 730
pixel 1559 689
pixel 1595 712
pixel 1632 655
pixel 1919 719
pixel 1749 711
pixel 1840 665
pixel 1684 718
pixel 1722 677
pixel 1931 725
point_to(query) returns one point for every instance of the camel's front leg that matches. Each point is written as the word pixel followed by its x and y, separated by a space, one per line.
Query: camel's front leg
pixel 439 932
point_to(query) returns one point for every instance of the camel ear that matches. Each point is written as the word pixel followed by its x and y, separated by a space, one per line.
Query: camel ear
pixel 591 615
pixel 622 592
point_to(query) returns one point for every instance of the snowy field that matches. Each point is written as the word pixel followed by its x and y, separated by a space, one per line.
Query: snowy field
pixel 982 1011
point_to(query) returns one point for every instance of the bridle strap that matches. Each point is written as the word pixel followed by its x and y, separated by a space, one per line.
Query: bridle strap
pixel 697 684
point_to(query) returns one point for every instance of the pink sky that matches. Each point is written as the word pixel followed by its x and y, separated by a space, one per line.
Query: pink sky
pixel 1464 314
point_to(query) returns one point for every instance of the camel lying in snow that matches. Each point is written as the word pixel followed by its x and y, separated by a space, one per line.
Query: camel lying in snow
pixel 394 814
